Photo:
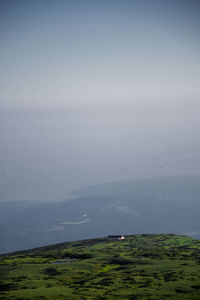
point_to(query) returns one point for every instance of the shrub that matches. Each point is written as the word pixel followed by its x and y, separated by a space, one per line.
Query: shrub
pixel 51 271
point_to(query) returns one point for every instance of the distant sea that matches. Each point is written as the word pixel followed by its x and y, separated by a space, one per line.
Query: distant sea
pixel 47 154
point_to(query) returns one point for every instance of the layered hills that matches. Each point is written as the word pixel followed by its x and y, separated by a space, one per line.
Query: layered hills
pixel 159 205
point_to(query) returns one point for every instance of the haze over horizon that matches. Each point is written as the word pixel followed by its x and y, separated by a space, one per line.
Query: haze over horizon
pixel 99 119
pixel 97 91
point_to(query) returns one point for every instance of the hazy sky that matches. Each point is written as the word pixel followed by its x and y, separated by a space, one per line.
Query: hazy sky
pixel 78 52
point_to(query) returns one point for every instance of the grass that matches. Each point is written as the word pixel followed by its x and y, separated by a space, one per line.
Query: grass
pixel 140 267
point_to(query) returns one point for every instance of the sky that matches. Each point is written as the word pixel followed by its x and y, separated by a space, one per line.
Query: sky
pixel 96 91
pixel 90 53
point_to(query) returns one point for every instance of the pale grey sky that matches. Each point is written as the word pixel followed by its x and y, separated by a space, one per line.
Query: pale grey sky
pixel 75 53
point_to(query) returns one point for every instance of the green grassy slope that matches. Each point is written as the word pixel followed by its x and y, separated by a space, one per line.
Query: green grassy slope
pixel 140 267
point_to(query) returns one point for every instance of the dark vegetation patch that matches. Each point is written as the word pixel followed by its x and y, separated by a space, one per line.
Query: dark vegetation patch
pixel 6 286
pixel 196 286
pixel 120 261
pixel 183 290
pixel 77 255
pixel 170 276
pixel 51 271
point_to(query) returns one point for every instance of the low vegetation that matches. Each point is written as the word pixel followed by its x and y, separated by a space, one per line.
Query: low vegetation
pixel 139 267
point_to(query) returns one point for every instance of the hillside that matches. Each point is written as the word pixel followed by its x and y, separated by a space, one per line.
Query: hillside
pixel 143 266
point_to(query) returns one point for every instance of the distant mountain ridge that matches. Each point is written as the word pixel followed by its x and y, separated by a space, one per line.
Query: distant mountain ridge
pixel 162 205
